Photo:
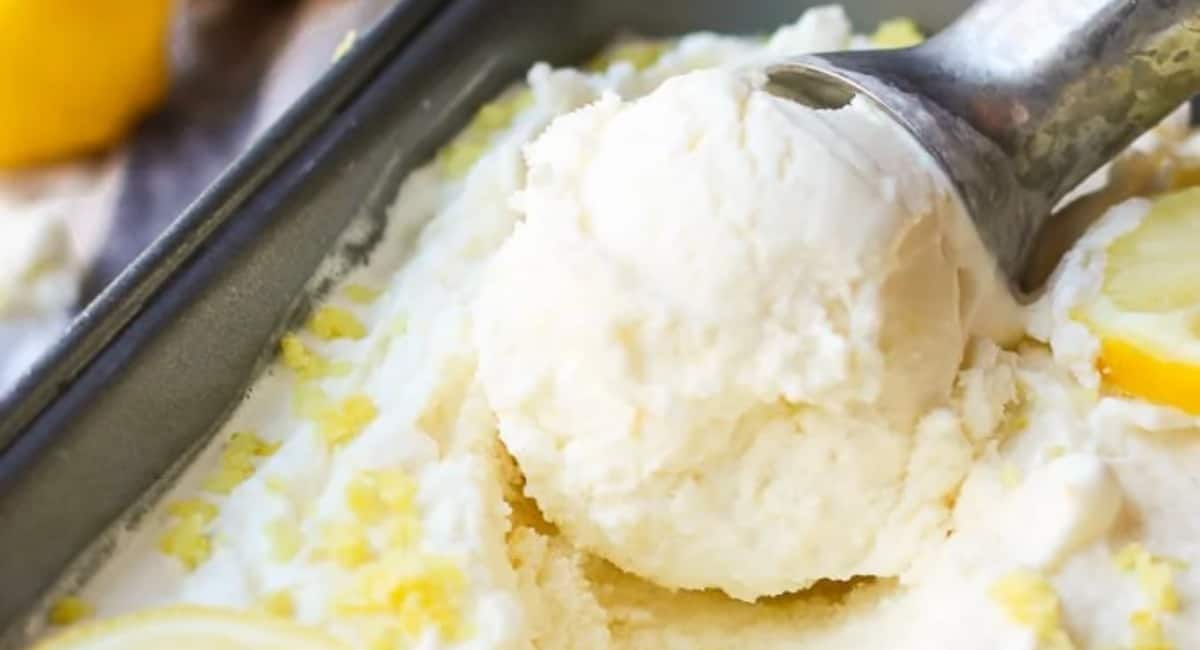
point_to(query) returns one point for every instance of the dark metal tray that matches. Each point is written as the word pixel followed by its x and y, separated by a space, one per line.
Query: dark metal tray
pixel 154 365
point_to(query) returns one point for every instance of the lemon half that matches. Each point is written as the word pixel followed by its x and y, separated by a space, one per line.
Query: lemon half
pixel 1147 315
pixel 75 76
pixel 191 628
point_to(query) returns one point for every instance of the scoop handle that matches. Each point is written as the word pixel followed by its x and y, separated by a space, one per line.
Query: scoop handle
pixel 1062 87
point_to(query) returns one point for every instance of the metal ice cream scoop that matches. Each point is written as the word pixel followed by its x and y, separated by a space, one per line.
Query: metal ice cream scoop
pixel 1021 100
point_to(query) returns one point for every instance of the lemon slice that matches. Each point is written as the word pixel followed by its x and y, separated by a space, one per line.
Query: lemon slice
pixel 191 628
pixel 1147 314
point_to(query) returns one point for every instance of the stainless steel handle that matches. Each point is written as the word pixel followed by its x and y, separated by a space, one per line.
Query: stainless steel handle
pixel 1062 86
pixel 1020 100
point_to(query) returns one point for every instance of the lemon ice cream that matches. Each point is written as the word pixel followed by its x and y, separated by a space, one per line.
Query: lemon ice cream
pixel 717 340
pixel 694 393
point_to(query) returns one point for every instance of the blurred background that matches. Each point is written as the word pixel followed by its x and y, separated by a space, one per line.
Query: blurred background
pixel 116 114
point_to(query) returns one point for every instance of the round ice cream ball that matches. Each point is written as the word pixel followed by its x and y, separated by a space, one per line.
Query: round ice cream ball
pixel 717 342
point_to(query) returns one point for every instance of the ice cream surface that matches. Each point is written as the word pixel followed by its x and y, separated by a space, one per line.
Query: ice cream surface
pixel 692 390
pixel 720 337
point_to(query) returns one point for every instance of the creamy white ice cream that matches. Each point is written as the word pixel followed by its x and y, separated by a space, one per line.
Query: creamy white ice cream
pixel 717 341
pixel 1023 508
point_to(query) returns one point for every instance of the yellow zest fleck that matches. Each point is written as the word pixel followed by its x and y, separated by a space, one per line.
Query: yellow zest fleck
pixel 397 489
pixel 417 590
pixel 301 359
pixel 896 33
pixel 400 325
pixel 275 485
pixel 1154 575
pixel 457 158
pixel 238 461
pixel 1010 476
pixel 1029 599
pixel 345 44
pixel 362 498
pixel 286 539
pixel 278 603
pixel 362 294
pixel 340 368
pixel 343 422
pixel 199 508
pixel 1148 632
pixel 346 544
pixel 403 532
pixel 187 540
pixel 309 401
pixel 336 323
pixel 68 610
pixel 388 639
pixel 639 54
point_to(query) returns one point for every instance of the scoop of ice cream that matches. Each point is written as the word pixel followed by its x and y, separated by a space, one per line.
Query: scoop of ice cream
pixel 717 342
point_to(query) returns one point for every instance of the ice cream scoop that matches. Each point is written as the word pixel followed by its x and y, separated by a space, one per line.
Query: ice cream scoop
pixel 723 341
pixel 1020 100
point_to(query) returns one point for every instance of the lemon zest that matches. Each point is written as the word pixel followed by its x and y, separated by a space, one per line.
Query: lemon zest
pixel 1148 632
pixel 238 462
pixel 279 604
pixel 285 538
pixel 897 33
pixel 1154 576
pixel 1029 599
pixel 68 610
pixel 417 590
pixel 343 422
pixel 330 323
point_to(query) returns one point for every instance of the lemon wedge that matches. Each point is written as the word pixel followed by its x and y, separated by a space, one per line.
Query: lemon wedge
pixel 191 628
pixel 1147 315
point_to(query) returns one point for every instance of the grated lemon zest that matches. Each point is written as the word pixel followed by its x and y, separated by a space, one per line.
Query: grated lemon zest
pixel 1154 576
pixel 68 610
pixel 1010 475
pixel 1148 632
pixel 461 154
pixel 417 590
pixel 301 359
pixel 403 532
pixel 362 294
pixel 388 639
pixel 639 54
pixel 275 485
pixel 331 323
pixel 400 325
pixel 199 508
pixel 346 544
pixel 285 538
pixel 309 401
pixel 342 423
pixel 187 540
pixel 1029 599
pixel 239 460
pixel 896 33
pixel 278 603
pixel 362 498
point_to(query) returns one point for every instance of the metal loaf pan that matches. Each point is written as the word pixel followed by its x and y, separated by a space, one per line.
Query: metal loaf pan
pixel 151 369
